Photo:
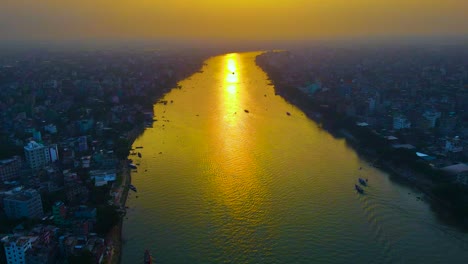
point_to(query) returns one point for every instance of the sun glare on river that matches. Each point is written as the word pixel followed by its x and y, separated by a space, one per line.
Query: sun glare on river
pixel 231 84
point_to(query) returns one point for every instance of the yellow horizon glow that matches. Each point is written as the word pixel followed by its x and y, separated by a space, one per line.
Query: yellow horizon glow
pixel 229 20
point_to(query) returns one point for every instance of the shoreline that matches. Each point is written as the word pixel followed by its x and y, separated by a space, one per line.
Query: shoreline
pixel 116 233
pixel 400 171
pixel 127 175
pixel 126 179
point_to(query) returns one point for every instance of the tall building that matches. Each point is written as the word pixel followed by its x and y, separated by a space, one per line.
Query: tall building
pixel 16 247
pixel 10 168
pixel 24 203
pixel 38 155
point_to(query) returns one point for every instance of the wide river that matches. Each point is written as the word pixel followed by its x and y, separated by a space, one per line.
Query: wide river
pixel 227 176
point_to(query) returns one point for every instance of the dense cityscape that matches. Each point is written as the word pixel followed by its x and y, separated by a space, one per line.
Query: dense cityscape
pixel 67 124
pixel 404 108
pixel 69 119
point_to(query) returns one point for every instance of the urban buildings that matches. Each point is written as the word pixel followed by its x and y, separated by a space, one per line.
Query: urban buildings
pixel 38 155
pixel 16 247
pixel 10 168
pixel 23 203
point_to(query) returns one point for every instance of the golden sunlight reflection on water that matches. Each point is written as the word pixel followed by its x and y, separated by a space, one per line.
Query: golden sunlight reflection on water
pixel 226 176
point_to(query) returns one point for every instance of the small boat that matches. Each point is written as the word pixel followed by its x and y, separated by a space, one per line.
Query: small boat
pixel 132 166
pixel 362 181
pixel 245 110
pixel 139 147
pixel 358 189
pixel 139 154
pixel 133 188
pixel 288 113
pixel 148 259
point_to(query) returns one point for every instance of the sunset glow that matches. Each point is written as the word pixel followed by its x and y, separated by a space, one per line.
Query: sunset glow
pixel 229 20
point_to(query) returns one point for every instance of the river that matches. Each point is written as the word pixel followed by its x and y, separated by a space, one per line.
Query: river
pixel 226 175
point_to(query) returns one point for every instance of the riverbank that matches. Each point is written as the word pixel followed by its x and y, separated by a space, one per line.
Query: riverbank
pixel 122 187
pixel 115 237
pixel 403 165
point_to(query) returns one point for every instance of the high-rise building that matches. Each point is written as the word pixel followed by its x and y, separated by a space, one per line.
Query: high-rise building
pixel 10 168
pixel 38 155
pixel 24 203
pixel 16 247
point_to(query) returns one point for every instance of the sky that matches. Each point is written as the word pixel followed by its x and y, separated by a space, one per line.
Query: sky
pixel 224 20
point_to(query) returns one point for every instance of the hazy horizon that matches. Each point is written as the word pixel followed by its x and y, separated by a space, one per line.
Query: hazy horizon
pixel 209 22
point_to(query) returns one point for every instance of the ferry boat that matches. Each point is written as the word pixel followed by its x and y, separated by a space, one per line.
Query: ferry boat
pixel 148 259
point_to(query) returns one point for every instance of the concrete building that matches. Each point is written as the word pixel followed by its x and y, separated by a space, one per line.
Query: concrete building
pixel 401 122
pixel 24 203
pixel 453 145
pixel 102 177
pixel 59 211
pixel 16 247
pixel 38 155
pixel 10 168
pixel 431 118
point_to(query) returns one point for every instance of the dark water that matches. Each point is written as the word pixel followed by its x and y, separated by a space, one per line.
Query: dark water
pixel 219 185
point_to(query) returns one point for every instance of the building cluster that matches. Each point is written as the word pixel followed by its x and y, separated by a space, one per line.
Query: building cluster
pixel 415 97
pixel 45 244
pixel 66 120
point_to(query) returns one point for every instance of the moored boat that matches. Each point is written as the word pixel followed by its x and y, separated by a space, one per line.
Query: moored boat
pixel 148 259
pixel 132 166
pixel 358 189
pixel 133 188
pixel 363 182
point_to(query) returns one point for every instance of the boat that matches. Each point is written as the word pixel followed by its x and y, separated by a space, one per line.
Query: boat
pixel 132 166
pixel 133 188
pixel 288 113
pixel 139 154
pixel 245 110
pixel 139 147
pixel 362 181
pixel 358 189
pixel 148 259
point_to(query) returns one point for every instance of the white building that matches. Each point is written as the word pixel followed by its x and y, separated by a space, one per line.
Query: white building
pixel 23 203
pixel 431 117
pixel 16 247
pixel 401 122
pixel 38 155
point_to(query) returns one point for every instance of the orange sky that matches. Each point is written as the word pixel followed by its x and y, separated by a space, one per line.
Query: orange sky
pixel 229 20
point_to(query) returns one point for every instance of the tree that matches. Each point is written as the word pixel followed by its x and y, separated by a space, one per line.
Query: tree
pixel 122 148
pixel 107 218
pixel 86 257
